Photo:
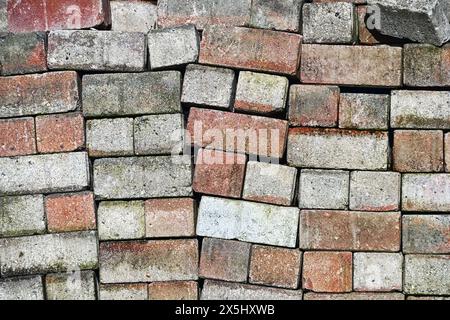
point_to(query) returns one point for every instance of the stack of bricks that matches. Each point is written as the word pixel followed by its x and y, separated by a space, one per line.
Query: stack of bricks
pixel 220 150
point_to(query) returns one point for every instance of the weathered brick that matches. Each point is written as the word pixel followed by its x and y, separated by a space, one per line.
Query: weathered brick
pixel 247 221
pixel 131 93
pixel 3 15
pixel 174 217
pixel 364 111
pixel 231 131
pixel 133 16
pixel 97 51
pixel 159 134
pixel 148 261
pixel 208 86
pixel 22 215
pixel 38 94
pixel 261 93
pixel 119 220
pixel 332 22
pixel 270 183
pixel 173 46
pixel 282 15
pixel 277 267
pixel 355 296
pixel 203 12
pixel 425 65
pixel 447 152
pixel 252 49
pixel 44 173
pixel 313 106
pixel 338 149
pixel 426 233
pixel 173 290
pixel 218 290
pixel 426 192
pixel 31 15
pixel 332 64
pixel 374 191
pixel 327 271
pixel 128 291
pixel 60 133
pixel 17 137
pixel 418 151
pixel 366 35
pixel 378 271
pixel 427 274
pixel 71 286
pixel 70 212
pixel 22 53
pixel 324 189
pixel 22 288
pixel 427 298
pixel 48 253
pixel 350 230
pixel 224 260
pixel 420 109
pixel 110 137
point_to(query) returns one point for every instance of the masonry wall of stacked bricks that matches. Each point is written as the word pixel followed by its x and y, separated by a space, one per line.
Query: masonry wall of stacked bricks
pixel 103 195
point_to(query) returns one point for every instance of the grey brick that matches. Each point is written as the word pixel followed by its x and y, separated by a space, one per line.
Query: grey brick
pixel 329 22
pixel 324 189
pixel 208 86
pixel 247 221
pixel 22 215
pixel 173 46
pixel 3 16
pixel 131 93
pixel 71 286
pixel 132 291
pixel 121 220
pixel 57 172
pixel 427 274
pixel 22 288
pixel 97 50
pixel 285 15
pixel 48 253
pixel 426 192
pixel 143 177
pixel 159 134
pixel 426 233
pixel 109 137
pixel 133 16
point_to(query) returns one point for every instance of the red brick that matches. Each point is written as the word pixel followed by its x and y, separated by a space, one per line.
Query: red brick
pixel 447 152
pixel 170 217
pixel 32 15
pixel 70 212
pixel 252 49
pixel 278 267
pixel 327 271
pixel 58 133
pixel 365 35
pixel 418 151
pixel 173 290
pixel 224 260
pixel 312 106
pixel 349 230
pixel 17 137
pixel 250 134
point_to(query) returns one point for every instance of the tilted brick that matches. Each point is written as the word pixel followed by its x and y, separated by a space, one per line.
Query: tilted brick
pixel 22 288
pixel 426 192
pixel 364 111
pixel 427 274
pixel 284 15
pixel 127 291
pixel 133 16
pixel 17 137
pixel 173 290
pixel 71 286
pixel 426 233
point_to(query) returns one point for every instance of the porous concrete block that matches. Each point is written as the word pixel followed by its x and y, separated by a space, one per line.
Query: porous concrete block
pixel 284 15
pixel 159 134
pixel 22 288
pixel 426 234
pixel 323 189
pixel 426 192
pixel 71 286
pixel 126 291
pixel 261 93
pixel 270 183
pixel 173 46
pixel 49 253
pixel 22 215
pixel 118 220
pixel 133 16
pixel 58 172
pixel 208 86
pixel 427 274
pixel 332 22
pixel 3 16
pixel 143 177
pixel 377 271
pixel 120 94
pixel 247 221
pixel 109 137
pixel 97 50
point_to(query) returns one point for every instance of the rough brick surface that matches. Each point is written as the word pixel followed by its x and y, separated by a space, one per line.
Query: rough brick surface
pixel 133 16
pixel 364 296
pixel 366 35
pixel 128 291
pixel 71 286
pixel 447 152
pixel 118 220
pixel 173 290
pixel 364 111
pixel 22 288
pixel 426 192
pixel 427 274
pixel 282 15
pixel 17 137
pixel 426 233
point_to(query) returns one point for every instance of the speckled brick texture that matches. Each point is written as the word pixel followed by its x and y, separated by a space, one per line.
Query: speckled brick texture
pixel 223 150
